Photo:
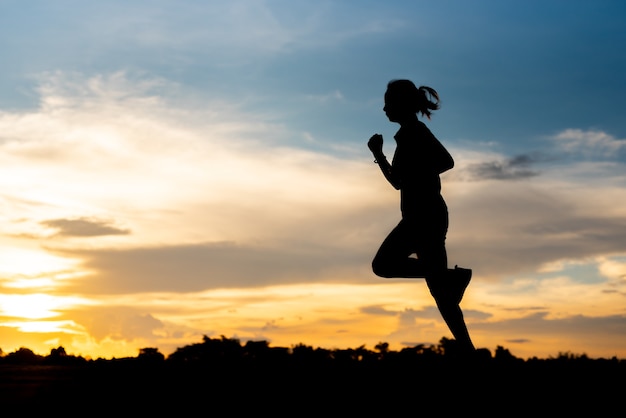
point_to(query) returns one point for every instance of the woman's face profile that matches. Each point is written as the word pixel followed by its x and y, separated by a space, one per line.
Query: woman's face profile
pixel 395 109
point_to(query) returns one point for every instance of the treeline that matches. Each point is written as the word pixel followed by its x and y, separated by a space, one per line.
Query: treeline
pixel 223 376
pixel 220 351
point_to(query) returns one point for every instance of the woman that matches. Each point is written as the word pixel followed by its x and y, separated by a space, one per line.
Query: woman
pixel 418 161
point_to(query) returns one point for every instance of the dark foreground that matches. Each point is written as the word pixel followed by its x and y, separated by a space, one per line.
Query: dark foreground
pixel 224 378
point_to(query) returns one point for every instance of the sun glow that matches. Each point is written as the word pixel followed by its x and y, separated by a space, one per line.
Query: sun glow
pixel 34 306
pixel 31 263
pixel 67 327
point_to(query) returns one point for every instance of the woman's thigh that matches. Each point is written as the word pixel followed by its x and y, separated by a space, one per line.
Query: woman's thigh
pixel 393 258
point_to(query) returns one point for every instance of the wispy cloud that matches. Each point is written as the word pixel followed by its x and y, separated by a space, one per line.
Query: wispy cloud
pixel 515 168
pixel 328 97
pixel 83 227
pixel 107 155
pixel 221 34
pixel 590 143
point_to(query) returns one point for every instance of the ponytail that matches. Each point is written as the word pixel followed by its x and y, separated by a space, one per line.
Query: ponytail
pixel 425 100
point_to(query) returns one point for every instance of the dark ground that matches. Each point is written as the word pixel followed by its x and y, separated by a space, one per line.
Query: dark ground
pixel 208 380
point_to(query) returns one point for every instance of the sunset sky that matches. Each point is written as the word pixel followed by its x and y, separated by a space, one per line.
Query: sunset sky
pixel 173 169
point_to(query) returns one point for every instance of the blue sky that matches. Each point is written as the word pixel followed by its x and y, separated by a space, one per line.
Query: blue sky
pixel 510 71
pixel 212 154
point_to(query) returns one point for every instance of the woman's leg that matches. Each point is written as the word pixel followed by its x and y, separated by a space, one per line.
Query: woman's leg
pixel 393 257
pixel 446 297
pixel 393 261
pixel 453 316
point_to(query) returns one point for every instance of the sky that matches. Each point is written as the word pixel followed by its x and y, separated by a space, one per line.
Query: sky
pixel 177 169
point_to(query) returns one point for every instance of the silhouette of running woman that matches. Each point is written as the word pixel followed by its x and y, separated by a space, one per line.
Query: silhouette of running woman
pixel 418 161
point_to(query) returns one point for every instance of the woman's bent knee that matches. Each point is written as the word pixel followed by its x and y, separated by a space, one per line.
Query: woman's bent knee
pixel 381 269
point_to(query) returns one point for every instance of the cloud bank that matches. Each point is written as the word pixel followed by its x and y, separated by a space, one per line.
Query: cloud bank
pixel 149 197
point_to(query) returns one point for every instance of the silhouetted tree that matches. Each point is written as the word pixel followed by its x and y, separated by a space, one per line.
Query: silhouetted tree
pixel 445 346
pixel 305 354
pixel 483 354
pixel 256 349
pixel 58 352
pixel 59 357
pixel 567 356
pixel 503 355
pixel 382 347
pixel 353 356
pixel 23 356
pixel 364 355
pixel 150 355
pixel 261 352
pixel 210 351
pixel 420 353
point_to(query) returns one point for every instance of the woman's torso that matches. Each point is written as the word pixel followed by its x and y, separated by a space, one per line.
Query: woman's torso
pixel 414 168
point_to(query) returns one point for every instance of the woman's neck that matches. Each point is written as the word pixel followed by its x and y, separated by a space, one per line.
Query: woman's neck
pixel 409 120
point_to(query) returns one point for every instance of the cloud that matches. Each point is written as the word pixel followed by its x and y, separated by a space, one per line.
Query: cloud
pixel 110 147
pixel 324 98
pixel 613 269
pixel 514 168
pixel 575 331
pixel 187 179
pixel 117 323
pixel 589 143
pixel 219 34
pixel 83 227
pixel 567 212
pixel 212 197
pixel 409 315
pixel 188 268
pixel 518 341
pixel 220 199
pixel 492 232
pixel 378 310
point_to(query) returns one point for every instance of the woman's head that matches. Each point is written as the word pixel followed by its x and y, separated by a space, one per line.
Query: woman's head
pixel 403 100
